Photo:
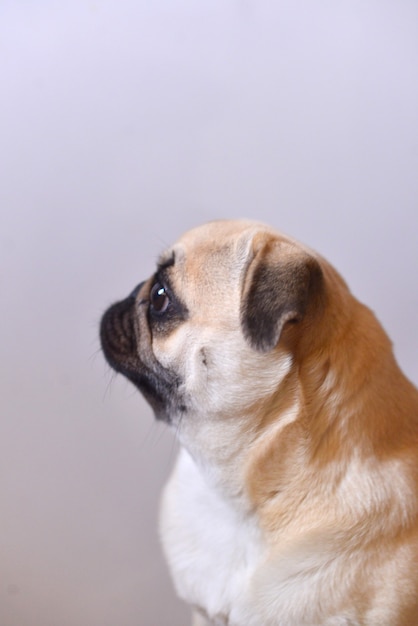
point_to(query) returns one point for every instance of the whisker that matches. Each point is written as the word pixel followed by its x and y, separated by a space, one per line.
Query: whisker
pixel 109 383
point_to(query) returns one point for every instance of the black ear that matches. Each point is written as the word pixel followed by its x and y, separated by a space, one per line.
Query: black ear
pixel 280 283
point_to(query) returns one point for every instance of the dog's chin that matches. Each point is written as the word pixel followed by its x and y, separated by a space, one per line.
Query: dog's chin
pixel 155 393
pixel 158 385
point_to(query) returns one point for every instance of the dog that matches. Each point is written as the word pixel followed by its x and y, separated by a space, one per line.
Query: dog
pixel 294 499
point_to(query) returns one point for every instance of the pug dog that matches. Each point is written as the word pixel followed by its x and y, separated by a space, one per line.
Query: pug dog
pixel 294 500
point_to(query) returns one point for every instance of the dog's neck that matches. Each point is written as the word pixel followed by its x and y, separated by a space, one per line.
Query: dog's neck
pixel 219 450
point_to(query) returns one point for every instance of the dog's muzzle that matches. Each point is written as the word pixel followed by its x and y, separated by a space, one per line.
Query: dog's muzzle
pixel 119 336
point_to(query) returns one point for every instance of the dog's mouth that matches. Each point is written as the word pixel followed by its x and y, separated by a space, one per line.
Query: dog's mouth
pixel 119 336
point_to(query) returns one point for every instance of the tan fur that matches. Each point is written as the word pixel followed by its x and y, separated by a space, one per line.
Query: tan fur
pixel 353 402
pixel 295 501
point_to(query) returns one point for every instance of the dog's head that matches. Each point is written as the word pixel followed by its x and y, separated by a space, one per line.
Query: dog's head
pixel 215 329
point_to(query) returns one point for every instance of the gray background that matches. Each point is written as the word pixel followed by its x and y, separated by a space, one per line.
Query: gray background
pixel 122 123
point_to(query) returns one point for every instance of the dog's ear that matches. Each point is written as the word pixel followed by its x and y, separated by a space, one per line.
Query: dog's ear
pixel 280 283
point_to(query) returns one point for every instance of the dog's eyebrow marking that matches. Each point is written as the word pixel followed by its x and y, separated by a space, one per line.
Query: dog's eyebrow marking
pixel 164 262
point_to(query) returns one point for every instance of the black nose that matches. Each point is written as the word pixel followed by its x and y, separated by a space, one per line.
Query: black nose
pixel 136 290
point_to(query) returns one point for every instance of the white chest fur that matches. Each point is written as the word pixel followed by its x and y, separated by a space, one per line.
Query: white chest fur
pixel 220 563
pixel 212 548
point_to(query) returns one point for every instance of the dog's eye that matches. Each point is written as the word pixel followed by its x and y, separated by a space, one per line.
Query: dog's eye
pixel 159 299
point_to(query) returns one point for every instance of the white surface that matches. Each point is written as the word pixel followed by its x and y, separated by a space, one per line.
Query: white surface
pixel 121 125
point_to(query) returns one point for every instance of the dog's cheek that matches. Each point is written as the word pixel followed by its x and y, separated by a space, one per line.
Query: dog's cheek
pixel 193 353
pixel 220 373
pixel 176 352
pixel 235 376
